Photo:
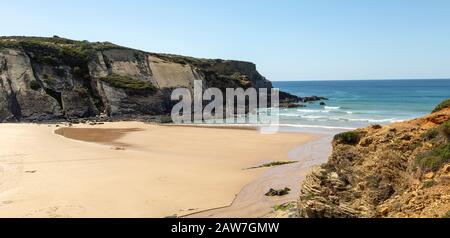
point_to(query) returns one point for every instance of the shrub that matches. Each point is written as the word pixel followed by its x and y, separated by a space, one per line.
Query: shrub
pixel 126 82
pixel 446 215
pixel 102 46
pixel 83 93
pixel 35 85
pixel 49 80
pixel 274 164
pixel 376 126
pixel 434 159
pixel 443 151
pixel 241 80
pixel 445 129
pixel 77 72
pixel 308 197
pixel 349 138
pixel 431 134
pixel 429 163
pixel 428 184
pixel 443 105
pixel 373 181
pixel 284 207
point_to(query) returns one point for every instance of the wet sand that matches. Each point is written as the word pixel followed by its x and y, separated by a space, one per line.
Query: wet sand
pixel 103 136
pixel 161 171
pixel 251 201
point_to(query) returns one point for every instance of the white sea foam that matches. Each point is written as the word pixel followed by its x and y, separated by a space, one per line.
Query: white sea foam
pixel 312 111
pixel 388 120
pixel 368 120
pixel 288 115
pixel 332 108
pixel 313 117
pixel 307 110
pixel 314 126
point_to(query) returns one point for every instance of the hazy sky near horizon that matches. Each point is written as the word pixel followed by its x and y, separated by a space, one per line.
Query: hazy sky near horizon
pixel 287 39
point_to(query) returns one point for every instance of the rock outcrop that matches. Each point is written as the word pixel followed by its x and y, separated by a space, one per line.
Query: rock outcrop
pixel 400 170
pixel 45 79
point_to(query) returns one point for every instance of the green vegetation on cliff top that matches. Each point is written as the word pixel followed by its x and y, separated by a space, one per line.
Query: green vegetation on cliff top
pixel 435 158
pixel 18 41
pixel 56 50
pixel 126 82
pixel 349 138
pixel 442 131
pixel 443 105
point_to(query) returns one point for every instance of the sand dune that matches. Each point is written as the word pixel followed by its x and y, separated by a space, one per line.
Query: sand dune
pixel 139 170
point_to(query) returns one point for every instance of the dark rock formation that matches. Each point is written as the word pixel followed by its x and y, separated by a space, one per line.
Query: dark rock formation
pixel 278 193
pixel 313 99
pixel 288 98
pixel 291 105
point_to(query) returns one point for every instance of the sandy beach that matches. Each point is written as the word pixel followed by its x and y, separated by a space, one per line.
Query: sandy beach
pixel 251 202
pixel 132 169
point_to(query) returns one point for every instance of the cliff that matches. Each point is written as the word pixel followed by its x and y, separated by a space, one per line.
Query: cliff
pixel 44 79
pixel 400 170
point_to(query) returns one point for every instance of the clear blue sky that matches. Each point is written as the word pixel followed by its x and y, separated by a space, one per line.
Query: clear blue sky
pixel 287 39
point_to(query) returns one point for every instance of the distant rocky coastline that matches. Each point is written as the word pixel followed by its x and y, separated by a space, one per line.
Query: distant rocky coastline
pixel 290 101
pixel 57 79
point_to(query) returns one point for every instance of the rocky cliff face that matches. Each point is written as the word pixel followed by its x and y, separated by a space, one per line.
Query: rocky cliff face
pixel 400 170
pixel 44 79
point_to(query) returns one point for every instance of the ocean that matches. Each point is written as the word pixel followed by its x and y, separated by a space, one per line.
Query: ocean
pixel 359 103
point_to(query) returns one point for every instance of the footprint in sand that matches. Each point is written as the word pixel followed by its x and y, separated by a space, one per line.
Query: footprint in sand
pixel 7 202
pixel 58 212
pixel 118 148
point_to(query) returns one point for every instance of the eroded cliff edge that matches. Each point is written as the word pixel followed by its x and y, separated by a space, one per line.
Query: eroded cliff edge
pixel 400 170
pixel 45 79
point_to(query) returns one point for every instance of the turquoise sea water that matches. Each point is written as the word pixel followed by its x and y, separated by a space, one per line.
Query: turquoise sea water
pixel 354 104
